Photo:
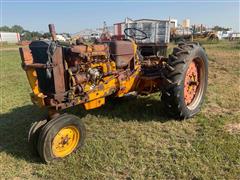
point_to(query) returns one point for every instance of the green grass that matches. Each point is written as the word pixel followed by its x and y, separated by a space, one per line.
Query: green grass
pixel 131 137
pixel 8 46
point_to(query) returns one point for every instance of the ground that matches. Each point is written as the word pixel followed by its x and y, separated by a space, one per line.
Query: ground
pixel 131 138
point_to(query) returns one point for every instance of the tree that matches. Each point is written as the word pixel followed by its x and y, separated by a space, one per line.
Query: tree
pixel 5 29
pixel 26 35
pixel 46 35
pixel 17 28
pixel 36 35
pixel 218 28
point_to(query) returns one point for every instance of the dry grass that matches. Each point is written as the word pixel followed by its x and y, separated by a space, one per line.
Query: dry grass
pixel 233 128
pixel 131 137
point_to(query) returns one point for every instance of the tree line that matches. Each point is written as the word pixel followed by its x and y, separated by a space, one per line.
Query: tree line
pixel 34 35
pixel 25 34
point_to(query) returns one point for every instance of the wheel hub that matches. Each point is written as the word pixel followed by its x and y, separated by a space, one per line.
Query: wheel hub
pixel 65 141
pixel 191 83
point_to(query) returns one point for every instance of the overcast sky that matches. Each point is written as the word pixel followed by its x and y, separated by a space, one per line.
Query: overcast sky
pixel 72 16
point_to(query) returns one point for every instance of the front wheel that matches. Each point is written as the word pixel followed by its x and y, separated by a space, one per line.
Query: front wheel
pixel 187 80
pixel 33 135
pixel 60 137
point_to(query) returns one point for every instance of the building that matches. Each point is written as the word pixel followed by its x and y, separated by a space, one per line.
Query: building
pixel 173 23
pixel 9 37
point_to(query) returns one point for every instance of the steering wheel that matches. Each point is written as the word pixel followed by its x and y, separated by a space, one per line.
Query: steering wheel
pixel 135 33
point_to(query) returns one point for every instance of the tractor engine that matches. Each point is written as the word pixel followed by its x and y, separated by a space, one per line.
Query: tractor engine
pixel 87 64
pixel 66 72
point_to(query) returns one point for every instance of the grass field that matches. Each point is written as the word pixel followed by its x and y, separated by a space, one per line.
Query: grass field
pixel 8 46
pixel 131 138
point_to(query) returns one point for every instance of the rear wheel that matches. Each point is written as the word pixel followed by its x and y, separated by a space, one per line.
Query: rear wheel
pixel 187 80
pixel 60 137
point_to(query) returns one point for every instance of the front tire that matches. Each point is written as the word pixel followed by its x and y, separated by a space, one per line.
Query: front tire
pixel 33 135
pixel 60 137
pixel 187 80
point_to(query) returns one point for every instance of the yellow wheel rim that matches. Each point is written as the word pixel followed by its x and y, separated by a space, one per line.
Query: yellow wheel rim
pixel 65 141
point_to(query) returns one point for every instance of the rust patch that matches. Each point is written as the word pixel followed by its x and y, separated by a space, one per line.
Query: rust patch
pixel 26 55
pixel 58 71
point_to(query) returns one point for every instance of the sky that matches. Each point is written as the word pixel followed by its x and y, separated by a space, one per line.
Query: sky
pixel 74 15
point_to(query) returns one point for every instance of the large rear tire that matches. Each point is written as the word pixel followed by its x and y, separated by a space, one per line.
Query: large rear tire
pixel 187 80
pixel 60 137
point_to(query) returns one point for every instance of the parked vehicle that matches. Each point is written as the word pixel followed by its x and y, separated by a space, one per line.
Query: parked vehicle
pixel 86 74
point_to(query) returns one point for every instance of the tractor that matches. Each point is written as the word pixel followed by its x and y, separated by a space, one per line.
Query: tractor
pixel 63 76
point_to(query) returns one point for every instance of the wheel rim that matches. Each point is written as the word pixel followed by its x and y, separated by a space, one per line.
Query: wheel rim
pixel 65 141
pixel 194 83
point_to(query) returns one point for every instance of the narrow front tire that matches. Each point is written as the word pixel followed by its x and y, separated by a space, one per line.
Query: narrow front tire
pixel 60 137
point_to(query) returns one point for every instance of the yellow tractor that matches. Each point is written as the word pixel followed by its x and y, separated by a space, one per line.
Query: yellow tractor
pixel 62 76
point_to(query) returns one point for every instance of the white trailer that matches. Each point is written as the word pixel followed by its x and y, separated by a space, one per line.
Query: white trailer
pixel 158 31
pixel 9 37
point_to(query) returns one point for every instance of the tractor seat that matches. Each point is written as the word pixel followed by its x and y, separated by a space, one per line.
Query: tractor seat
pixel 122 52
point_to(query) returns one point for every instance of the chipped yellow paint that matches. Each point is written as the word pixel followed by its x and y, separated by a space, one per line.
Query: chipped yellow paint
pixel 94 104
pixel 37 97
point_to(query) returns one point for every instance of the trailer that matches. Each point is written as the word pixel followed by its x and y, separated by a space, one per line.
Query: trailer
pixel 9 37
pixel 158 36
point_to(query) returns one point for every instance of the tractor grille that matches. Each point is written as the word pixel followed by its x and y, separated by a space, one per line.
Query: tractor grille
pixel 39 50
